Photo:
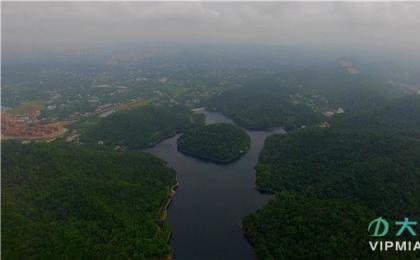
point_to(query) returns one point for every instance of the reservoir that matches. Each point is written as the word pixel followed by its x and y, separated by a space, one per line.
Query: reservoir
pixel 211 200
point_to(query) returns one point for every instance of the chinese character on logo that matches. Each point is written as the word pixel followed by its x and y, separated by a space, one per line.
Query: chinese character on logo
pixel 406 224
pixel 380 227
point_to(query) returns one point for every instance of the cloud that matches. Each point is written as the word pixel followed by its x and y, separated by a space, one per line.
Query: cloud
pixel 360 24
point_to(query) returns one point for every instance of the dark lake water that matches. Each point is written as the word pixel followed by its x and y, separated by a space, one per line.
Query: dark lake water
pixel 211 200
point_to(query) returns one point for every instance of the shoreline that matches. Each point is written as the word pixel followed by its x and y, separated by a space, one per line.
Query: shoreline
pixel 208 160
pixel 164 215
pixel 165 208
pixel 172 191
pixel 247 238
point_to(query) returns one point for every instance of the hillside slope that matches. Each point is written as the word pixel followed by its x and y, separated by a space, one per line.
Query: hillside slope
pixel 72 202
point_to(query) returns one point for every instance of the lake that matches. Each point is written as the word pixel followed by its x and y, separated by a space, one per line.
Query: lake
pixel 212 199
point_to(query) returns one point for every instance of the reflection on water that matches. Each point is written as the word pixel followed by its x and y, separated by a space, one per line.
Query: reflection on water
pixel 212 199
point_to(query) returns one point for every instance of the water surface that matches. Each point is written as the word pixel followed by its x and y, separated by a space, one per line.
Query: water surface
pixel 211 200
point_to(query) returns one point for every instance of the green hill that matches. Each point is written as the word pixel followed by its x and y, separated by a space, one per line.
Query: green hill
pixel 379 172
pixel 295 98
pixel 342 180
pixel 399 117
pixel 263 107
pixel 142 127
pixel 220 143
pixel 74 202
pixel 290 227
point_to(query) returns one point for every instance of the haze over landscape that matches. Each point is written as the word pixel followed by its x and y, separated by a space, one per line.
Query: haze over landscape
pixel 353 25
pixel 209 130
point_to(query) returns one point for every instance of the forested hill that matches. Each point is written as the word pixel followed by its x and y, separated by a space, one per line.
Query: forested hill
pixel 142 127
pixel 340 181
pixel 74 202
pixel 220 143
pixel 263 107
pixel 292 227
pixel 295 98
pixel 353 92
pixel 399 117
pixel 380 172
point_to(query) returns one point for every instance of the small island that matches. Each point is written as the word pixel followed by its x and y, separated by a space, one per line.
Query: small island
pixel 219 143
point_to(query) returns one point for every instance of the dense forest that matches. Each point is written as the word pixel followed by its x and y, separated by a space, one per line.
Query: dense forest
pixel 380 172
pixel 66 201
pixel 399 117
pixel 353 92
pixel 220 143
pixel 364 172
pixel 296 98
pixel 63 201
pixel 291 227
pixel 142 127
pixel 262 108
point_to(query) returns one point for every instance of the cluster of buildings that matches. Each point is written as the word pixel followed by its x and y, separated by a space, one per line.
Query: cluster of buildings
pixel 333 111
pixel 26 126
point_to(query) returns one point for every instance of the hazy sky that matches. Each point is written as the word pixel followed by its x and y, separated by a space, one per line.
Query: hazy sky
pixel 388 25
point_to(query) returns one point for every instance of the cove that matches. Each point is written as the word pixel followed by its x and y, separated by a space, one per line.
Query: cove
pixel 212 199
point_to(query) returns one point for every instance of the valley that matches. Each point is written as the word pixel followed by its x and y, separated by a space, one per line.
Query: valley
pixel 201 157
